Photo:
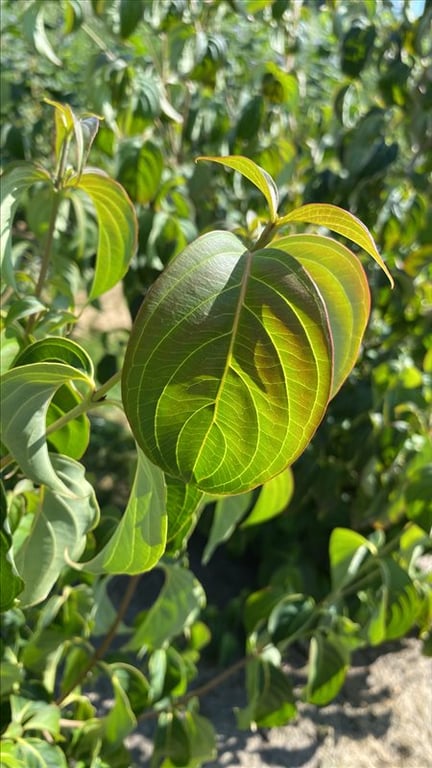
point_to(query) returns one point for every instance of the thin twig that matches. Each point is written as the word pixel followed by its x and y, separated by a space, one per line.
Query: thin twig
pixel 100 652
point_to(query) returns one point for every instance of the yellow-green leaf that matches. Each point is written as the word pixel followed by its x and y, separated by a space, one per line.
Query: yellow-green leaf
pixel 338 220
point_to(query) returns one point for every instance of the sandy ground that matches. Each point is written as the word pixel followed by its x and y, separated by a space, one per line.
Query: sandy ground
pixel 381 719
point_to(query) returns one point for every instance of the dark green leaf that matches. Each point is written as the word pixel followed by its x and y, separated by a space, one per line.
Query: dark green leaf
pixel 270 696
pixel 11 584
pixel 328 665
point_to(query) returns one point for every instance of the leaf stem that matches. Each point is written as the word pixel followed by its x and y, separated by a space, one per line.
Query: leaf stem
pixel 203 689
pixel 48 246
pixel 266 236
pixel 102 649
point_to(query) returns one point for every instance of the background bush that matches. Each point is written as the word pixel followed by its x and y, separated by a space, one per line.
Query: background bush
pixel 335 102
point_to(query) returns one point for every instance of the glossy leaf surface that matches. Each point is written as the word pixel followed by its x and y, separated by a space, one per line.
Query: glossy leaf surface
pixel 228 369
pixel 117 229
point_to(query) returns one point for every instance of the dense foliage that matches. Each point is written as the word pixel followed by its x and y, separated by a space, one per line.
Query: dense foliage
pixel 240 362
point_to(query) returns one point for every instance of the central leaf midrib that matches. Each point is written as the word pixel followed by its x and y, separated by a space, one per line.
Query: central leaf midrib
pixel 236 320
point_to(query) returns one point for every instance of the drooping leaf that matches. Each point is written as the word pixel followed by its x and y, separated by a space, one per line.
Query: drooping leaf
pixel 14 181
pixel 338 220
pixel 328 665
pixel 257 175
pixel 117 225
pixel 131 12
pixel 183 505
pixel 347 551
pixel 58 530
pixel 227 513
pixel 26 395
pixel 289 617
pixel 270 696
pixel 139 541
pixel 120 720
pixel 171 742
pixel 11 583
pixel 342 282
pixel 34 31
pixel 176 607
pixel 72 439
pixel 228 369
pixel 201 737
pixel 401 599
pixel 273 499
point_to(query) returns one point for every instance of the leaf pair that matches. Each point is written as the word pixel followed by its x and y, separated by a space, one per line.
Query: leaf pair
pixel 235 354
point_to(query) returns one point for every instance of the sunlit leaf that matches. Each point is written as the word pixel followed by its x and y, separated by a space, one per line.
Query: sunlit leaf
pixel 139 540
pixel 338 220
pixel 58 531
pixel 273 499
pixel 257 175
pixel 117 228
pixel 26 394
pixel 347 551
pixel 14 181
pixel 228 369
pixel 342 282
pixel 176 607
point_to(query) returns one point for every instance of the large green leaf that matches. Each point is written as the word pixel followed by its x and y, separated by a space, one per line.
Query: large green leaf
pixel 10 582
pixel 257 175
pixel 139 541
pixel 26 393
pixel 338 220
pixel 229 365
pixel 58 530
pixel 273 499
pixel 117 228
pixel 344 288
pixel 176 607
pixel 14 181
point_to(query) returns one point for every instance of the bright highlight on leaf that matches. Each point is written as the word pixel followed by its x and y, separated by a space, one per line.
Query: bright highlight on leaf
pixel 258 176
